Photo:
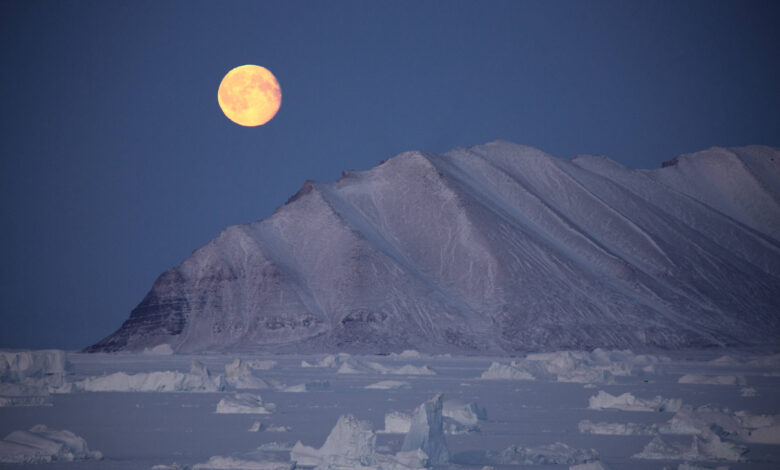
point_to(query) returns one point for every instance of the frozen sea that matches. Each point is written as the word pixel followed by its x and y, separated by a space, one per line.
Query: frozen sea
pixel 546 405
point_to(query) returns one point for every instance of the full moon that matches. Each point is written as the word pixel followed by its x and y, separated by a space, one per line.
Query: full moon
pixel 249 95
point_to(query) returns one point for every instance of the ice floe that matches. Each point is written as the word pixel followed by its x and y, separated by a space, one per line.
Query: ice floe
pixel 43 445
pixel 628 402
pixel 244 403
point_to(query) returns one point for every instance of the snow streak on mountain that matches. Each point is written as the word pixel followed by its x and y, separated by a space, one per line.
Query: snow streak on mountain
pixel 498 248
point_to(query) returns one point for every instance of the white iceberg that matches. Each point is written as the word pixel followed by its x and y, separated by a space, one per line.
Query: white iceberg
pixel 160 381
pixel 711 379
pixel 498 371
pixel 628 402
pixel 28 377
pixel 159 350
pixel 552 454
pixel 617 429
pixel 388 385
pixel 351 443
pixel 43 445
pixel 598 366
pixel 239 375
pixel 313 386
pixel 230 463
pixel 244 403
pixel 397 423
pixel 702 448
pixel 468 413
pixel 426 432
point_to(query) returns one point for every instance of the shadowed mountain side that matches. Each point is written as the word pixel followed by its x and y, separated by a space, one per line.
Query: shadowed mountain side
pixel 492 249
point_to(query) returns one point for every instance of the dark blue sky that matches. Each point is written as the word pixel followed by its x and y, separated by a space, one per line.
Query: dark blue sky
pixel 116 162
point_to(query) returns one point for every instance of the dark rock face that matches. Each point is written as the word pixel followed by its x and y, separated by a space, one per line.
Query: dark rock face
pixel 493 249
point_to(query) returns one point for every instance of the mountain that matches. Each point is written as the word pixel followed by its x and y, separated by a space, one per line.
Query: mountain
pixel 498 248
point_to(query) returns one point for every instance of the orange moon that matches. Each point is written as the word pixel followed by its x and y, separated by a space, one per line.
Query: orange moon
pixel 249 95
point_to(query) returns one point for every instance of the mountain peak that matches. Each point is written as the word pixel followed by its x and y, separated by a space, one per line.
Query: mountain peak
pixel 494 248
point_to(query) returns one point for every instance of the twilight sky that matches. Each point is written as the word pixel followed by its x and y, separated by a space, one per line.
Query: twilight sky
pixel 116 161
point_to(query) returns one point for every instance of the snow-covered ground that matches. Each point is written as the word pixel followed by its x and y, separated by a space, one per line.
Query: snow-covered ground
pixel 568 410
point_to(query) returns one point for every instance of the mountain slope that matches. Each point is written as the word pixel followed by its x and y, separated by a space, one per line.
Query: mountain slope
pixel 490 249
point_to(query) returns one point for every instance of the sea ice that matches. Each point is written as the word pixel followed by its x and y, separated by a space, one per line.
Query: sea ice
pixel 42 445
pixel 628 402
pixel 427 433
pixel 244 403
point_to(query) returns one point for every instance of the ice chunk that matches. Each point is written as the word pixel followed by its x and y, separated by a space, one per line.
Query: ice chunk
pixel 388 385
pixel 257 426
pixel 628 402
pixel 617 429
pixel 244 403
pixel 230 463
pixel 313 386
pixel 498 371
pixel 351 443
pixel 161 381
pixel 397 423
pixel 159 350
pixel 41 445
pixel 552 454
pixel 426 432
pixel 711 379
pixel 29 393
pixel 748 392
pixel 464 413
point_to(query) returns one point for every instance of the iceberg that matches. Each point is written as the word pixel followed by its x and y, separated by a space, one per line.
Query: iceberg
pixel 230 463
pixel 426 432
pixel 628 402
pixel 552 454
pixel 244 403
pixel 160 381
pixel 617 429
pixel 43 445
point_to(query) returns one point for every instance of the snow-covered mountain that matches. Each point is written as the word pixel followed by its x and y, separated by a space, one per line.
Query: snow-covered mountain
pixel 492 249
